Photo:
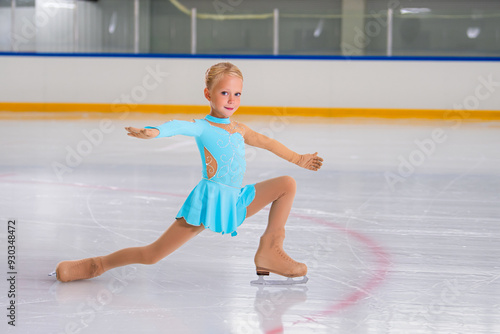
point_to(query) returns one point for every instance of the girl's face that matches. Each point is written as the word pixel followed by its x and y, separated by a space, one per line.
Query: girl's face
pixel 224 96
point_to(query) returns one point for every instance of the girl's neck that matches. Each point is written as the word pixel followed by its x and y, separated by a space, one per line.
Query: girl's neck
pixel 217 119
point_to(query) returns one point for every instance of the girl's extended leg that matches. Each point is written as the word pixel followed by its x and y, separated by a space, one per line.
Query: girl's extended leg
pixel 174 237
pixel 270 256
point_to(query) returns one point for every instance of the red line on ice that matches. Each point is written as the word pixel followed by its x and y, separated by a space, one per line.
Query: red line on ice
pixel 381 255
pixel 379 274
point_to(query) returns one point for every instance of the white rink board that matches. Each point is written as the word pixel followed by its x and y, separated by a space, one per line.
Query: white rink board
pixel 441 85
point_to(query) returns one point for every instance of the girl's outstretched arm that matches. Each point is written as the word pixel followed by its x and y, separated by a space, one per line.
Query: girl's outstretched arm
pixel 142 133
pixel 307 161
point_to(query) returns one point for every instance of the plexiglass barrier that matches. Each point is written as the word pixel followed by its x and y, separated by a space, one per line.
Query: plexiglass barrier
pixel 249 27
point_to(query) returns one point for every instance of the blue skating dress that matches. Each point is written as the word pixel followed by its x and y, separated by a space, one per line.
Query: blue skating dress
pixel 218 201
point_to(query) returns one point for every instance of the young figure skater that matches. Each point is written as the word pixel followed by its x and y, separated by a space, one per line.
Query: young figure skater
pixel 218 202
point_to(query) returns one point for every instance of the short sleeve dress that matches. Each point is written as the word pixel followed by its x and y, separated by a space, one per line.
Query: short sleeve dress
pixel 219 201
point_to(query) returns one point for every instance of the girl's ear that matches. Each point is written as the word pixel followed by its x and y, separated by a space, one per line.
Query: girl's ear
pixel 207 94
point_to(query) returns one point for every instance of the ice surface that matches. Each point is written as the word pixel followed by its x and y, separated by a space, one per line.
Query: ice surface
pixel 400 230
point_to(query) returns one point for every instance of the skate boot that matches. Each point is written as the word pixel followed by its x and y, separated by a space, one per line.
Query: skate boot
pixel 271 258
pixel 68 271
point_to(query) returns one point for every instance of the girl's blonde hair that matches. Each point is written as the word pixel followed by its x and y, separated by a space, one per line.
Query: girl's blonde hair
pixel 217 71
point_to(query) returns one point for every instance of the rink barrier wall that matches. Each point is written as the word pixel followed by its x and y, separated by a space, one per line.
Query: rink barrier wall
pixel 121 109
pixel 325 86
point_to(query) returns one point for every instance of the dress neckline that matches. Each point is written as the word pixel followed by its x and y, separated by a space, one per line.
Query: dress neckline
pixel 217 120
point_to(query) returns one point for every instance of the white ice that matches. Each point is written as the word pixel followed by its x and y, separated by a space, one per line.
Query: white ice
pixel 400 229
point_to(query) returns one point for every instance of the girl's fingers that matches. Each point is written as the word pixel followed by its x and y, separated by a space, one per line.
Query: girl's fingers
pixel 314 162
pixel 133 130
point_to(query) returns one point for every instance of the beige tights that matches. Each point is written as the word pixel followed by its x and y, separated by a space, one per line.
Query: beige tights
pixel 278 191
pixel 174 237
pixel 270 256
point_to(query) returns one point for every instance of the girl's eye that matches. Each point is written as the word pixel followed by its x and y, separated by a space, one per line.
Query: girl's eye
pixel 226 93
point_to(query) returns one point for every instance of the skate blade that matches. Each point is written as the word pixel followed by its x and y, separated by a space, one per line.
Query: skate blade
pixel 53 274
pixel 288 281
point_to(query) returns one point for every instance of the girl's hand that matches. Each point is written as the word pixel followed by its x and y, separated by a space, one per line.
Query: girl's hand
pixel 310 161
pixel 142 133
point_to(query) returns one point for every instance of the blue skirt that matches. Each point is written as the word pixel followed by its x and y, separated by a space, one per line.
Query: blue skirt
pixel 218 207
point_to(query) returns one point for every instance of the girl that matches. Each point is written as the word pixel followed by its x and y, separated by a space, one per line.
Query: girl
pixel 218 202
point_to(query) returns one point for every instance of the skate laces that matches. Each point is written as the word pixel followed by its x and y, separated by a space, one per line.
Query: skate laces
pixel 281 252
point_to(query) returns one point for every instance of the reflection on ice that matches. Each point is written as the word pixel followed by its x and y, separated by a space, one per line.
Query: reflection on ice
pixel 415 256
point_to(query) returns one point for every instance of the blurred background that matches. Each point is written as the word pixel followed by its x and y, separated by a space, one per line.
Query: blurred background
pixel 285 27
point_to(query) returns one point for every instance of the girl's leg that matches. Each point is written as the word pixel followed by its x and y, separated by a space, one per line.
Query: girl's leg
pixel 174 237
pixel 270 256
pixel 280 191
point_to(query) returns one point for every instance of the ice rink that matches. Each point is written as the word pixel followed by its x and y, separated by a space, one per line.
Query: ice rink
pixel 400 229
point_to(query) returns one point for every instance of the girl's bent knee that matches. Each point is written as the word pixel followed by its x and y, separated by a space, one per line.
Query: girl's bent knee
pixel 289 183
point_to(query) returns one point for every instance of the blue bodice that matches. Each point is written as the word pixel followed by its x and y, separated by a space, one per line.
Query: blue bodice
pixel 221 146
